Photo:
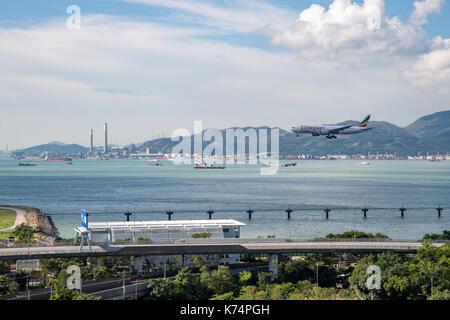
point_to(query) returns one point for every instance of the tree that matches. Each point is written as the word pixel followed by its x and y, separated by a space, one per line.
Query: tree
pixel 60 292
pixel 84 296
pixel 392 286
pixel 225 296
pixel 160 289
pixel 186 285
pixel 103 272
pixel 444 236
pixel 264 278
pixel 281 291
pixel 219 281
pixel 4 284
pixel 13 288
pixel 252 293
pixel 430 269
pixel 425 275
pixel 294 271
pixel 244 278
pixel 356 235
pixel 24 233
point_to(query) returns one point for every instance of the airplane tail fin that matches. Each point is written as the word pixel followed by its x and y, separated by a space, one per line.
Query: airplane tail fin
pixel 364 122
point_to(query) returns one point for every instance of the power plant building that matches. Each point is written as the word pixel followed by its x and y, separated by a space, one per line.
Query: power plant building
pixel 106 138
pixel 91 147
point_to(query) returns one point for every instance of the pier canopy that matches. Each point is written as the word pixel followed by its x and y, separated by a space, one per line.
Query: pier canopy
pixel 164 231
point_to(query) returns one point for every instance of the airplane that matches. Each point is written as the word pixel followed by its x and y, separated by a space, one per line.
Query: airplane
pixel 332 131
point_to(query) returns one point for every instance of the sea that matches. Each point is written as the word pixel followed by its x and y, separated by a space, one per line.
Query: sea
pixel 109 188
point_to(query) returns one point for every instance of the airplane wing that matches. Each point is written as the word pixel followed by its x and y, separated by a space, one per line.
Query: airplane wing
pixel 337 130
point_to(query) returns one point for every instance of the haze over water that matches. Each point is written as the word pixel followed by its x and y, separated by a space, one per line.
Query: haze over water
pixel 108 188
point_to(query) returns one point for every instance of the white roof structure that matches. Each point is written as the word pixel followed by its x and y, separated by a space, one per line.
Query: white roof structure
pixel 164 231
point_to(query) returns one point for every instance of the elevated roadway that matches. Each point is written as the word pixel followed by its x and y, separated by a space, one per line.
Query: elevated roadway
pixel 235 246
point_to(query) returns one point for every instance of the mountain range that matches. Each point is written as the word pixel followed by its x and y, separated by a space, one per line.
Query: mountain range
pixel 55 147
pixel 430 134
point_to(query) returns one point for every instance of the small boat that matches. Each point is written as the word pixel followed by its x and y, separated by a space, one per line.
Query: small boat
pixel 205 166
pixel 154 163
pixel 280 164
pixel 364 163
pixel 27 164
pixel 290 164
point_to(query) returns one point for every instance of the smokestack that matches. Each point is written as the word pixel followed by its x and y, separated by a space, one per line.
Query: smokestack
pixel 91 149
pixel 106 138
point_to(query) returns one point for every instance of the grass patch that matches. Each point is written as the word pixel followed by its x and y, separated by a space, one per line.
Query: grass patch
pixel 4 236
pixel 7 218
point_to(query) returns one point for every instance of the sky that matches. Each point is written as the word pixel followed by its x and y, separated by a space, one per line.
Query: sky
pixel 148 67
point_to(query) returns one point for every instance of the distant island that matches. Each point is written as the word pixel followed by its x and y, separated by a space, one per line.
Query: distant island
pixel 428 134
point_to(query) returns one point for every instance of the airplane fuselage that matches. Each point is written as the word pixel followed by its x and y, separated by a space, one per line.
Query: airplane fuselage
pixel 327 130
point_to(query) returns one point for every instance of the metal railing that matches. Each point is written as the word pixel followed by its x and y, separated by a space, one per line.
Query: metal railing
pixel 220 241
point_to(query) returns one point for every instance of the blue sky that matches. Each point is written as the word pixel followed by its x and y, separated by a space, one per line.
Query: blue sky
pixel 152 66
pixel 23 13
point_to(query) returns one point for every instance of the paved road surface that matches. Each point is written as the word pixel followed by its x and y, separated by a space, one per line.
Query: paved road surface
pixel 212 247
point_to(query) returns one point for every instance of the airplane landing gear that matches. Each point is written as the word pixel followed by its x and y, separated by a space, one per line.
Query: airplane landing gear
pixel 331 137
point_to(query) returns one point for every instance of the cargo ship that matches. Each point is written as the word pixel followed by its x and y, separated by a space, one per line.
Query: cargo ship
pixel 58 159
pixel 205 166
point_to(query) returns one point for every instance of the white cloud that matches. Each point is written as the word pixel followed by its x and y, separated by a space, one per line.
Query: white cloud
pixel 432 68
pixel 351 31
pixel 233 16
pixel 155 77
pixel 422 9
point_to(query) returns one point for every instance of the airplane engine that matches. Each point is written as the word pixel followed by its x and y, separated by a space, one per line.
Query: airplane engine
pixel 315 133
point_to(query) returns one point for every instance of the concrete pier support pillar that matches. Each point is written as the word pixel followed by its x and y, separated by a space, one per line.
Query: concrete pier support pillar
pixel 182 261
pixel 273 265
pixel 138 264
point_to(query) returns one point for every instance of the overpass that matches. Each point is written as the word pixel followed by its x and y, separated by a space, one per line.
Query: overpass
pixel 203 246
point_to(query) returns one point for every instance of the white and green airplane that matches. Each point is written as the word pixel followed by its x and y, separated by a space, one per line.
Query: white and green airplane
pixel 332 131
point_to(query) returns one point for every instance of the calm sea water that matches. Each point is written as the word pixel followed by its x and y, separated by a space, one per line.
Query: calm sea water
pixel 108 188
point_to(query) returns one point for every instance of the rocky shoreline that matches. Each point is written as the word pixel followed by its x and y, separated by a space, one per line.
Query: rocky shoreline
pixel 40 222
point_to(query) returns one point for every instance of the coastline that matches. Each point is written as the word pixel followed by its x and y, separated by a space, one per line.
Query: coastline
pixel 35 218
pixel 20 218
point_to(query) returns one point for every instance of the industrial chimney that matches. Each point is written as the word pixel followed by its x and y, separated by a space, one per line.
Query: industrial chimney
pixel 106 138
